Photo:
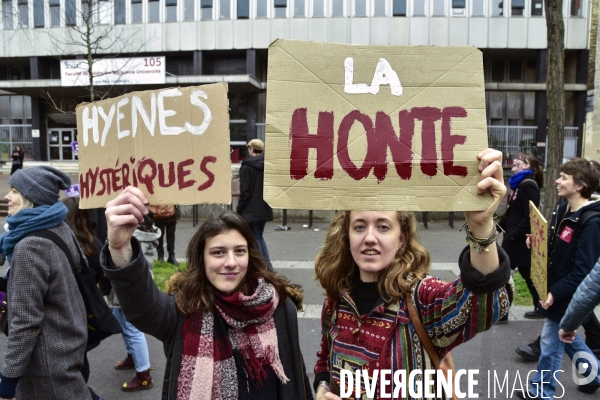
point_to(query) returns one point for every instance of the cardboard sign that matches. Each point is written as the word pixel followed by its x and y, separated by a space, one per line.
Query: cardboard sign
pixel 374 127
pixel 539 251
pixel 171 143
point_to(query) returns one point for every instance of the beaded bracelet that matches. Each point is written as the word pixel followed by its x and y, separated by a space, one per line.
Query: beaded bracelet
pixel 482 243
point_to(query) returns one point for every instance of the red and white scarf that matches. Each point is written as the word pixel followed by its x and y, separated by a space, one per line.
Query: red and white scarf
pixel 208 369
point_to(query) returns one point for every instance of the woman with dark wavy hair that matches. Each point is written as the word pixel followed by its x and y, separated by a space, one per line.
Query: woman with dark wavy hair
pixel 229 326
pixel 373 268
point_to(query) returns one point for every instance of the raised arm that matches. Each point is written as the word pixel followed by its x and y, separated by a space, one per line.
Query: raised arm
pixel 123 214
pixel 481 223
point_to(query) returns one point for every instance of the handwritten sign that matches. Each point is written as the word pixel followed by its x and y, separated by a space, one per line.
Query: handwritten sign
pixel 171 143
pixel 539 250
pixel 374 127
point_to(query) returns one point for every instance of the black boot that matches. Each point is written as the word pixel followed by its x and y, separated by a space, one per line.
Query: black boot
pixel 172 259
pixel 532 351
pixel 161 255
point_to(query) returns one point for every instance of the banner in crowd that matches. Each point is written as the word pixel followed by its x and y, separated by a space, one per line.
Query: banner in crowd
pixel 539 250
pixel 374 127
pixel 171 143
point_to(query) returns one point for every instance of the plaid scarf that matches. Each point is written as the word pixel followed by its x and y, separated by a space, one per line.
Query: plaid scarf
pixel 242 325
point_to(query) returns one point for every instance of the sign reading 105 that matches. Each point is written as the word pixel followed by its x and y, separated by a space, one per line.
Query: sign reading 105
pixel 152 62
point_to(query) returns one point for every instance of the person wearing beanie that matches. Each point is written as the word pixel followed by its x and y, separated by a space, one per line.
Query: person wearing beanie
pixel 47 321
pixel 251 205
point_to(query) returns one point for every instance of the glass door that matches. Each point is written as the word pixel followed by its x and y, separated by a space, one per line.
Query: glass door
pixel 59 144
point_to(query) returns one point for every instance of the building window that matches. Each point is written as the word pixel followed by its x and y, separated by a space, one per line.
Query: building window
pixel 243 9
pixel 379 8
pixel 188 10
pixel 517 7
pixel 225 9
pixel 515 70
pixel 497 8
pixel 103 11
pixel 119 12
pixel 318 8
pixel 299 8
pixel 7 14
pixel 153 11
pixel 537 7
pixel 497 70
pixel 438 8
pixel 38 13
pixel 70 12
pixel 261 8
pixel 23 13
pixel 54 12
pixel 280 8
pixel 85 11
pixel 206 6
pixel 137 13
pixel 477 8
pixel 337 8
pixel 360 8
pixel 399 8
pixel 419 8
pixel 576 8
pixel 171 10
pixel 459 4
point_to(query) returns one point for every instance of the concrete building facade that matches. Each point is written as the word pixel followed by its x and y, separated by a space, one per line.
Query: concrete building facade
pixel 206 41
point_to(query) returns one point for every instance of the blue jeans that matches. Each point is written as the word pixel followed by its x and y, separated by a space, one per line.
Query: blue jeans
pixel 135 342
pixel 543 384
pixel 258 229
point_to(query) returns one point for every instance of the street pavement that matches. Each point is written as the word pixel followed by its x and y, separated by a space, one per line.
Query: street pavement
pixel 293 252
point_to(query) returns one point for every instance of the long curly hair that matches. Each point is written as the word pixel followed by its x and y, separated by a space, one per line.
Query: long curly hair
pixel 193 291
pixel 336 270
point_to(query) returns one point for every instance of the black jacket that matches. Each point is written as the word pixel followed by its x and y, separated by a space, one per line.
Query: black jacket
pixel 251 205
pixel 154 312
pixel 571 255
pixel 516 222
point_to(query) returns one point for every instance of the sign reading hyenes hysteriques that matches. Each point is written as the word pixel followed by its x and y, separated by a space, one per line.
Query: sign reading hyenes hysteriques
pixel 539 250
pixel 374 127
pixel 173 144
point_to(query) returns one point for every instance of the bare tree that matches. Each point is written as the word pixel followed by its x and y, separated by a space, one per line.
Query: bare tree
pixel 91 36
pixel 555 88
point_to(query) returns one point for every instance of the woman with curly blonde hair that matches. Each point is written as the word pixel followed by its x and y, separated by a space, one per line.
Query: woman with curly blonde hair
pixel 373 269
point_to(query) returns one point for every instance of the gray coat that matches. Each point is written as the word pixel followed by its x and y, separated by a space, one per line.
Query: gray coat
pixel 583 302
pixel 155 313
pixel 47 321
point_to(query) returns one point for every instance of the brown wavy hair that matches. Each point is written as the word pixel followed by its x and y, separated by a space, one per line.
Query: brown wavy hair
pixel 194 292
pixel 80 222
pixel 336 270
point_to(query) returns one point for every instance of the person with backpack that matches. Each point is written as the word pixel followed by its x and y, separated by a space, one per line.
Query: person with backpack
pixel 47 320
pixel 572 252
pixel 384 312
pixel 525 185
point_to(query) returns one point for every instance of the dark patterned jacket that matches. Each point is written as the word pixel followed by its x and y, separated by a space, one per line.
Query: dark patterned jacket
pixel 47 321
pixel 155 313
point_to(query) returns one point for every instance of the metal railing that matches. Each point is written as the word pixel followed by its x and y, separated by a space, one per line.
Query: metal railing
pixel 512 140
pixel 15 135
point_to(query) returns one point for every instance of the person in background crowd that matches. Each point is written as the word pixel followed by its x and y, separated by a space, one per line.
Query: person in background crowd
pixel 167 227
pixel 251 205
pixel 47 319
pixel 138 357
pixel 17 159
pixel 80 222
pixel 572 252
pixel 372 266
pixel 586 298
pixel 230 330
pixel 525 185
